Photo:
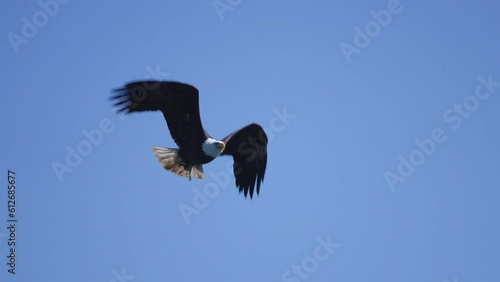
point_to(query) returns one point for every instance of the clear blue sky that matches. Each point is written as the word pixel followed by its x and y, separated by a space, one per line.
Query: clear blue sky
pixel 333 206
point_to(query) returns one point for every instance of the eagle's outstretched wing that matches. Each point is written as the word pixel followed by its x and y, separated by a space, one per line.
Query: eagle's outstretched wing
pixel 248 146
pixel 177 101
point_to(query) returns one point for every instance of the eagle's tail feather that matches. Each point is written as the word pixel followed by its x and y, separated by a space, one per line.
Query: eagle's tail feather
pixel 171 161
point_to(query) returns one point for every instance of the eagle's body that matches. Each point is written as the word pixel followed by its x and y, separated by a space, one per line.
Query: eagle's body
pixel 179 104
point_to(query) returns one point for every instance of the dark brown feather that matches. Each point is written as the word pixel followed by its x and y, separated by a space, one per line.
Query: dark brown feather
pixel 179 104
pixel 248 146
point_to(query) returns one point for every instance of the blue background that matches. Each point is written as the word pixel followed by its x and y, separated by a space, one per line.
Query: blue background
pixel 350 120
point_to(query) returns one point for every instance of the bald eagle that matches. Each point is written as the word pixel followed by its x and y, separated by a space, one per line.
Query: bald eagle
pixel 179 104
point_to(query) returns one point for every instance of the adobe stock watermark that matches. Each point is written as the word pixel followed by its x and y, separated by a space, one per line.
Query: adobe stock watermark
pixel 454 280
pixel 224 6
pixel 217 181
pixel 454 116
pixel 121 276
pixel 363 36
pixel 301 272
pixel 94 137
pixel 31 26
pixel 91 139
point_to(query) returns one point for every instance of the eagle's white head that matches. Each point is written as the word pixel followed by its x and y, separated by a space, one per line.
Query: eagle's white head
pixel 212 147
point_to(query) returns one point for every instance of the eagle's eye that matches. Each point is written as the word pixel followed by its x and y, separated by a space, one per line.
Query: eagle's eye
pixel 222 146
